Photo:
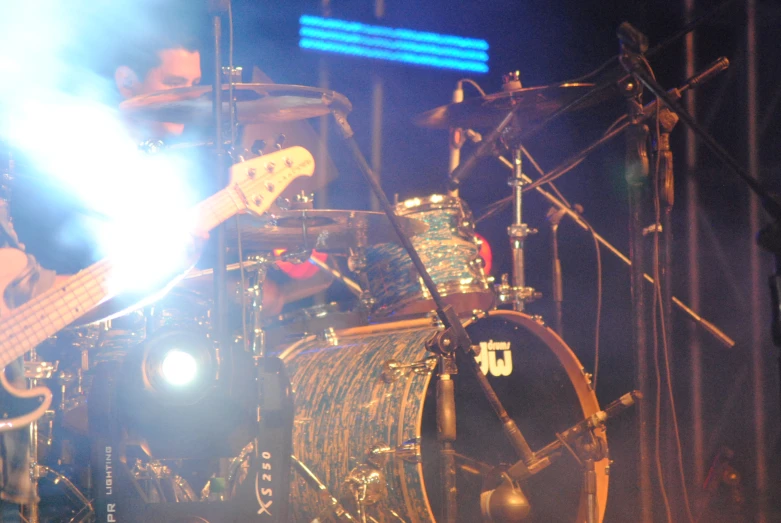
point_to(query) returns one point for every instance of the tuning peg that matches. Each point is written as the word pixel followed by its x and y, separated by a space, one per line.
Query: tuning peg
pixel 258 146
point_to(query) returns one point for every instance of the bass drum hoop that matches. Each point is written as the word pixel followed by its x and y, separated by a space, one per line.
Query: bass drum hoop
pixel 564 354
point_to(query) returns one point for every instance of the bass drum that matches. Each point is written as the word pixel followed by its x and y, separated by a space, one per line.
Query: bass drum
pixel 366 401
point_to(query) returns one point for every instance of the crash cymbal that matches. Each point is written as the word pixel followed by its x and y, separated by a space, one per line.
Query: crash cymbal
pixel 255 103
pixel 333 231
pixel 532 103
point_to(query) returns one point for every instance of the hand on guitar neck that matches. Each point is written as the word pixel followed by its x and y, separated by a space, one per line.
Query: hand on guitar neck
pixel 254 186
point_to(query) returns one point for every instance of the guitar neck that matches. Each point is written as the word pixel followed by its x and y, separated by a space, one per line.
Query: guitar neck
pixel 55 309
pixel 255 185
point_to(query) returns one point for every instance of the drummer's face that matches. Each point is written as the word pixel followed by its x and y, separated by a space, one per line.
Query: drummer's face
pixel 178 68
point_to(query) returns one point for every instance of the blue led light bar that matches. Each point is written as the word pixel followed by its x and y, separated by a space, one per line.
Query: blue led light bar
pixel 392 44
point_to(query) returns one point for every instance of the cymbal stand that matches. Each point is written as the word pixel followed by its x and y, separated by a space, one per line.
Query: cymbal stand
pixel 518 232
pixel 443 343
pixel 35 370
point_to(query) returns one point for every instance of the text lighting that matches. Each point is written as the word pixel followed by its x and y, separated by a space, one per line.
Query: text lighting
pixel 393 44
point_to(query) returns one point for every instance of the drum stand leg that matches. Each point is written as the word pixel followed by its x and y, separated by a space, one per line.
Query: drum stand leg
pixel 446 434
pixel 35 370
pixel 590 487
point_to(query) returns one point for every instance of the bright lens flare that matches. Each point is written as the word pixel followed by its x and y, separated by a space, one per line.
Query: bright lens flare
pixel 179 368
pixel 60 115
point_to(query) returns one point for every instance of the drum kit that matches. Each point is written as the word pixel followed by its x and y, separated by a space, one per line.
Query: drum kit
pixel 433 395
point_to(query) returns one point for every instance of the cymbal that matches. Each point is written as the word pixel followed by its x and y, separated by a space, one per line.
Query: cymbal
pixel 255 103
pixel 331 231
pixel 532 103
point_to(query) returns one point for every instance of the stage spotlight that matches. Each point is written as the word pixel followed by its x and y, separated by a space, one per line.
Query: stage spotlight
pixel 179 367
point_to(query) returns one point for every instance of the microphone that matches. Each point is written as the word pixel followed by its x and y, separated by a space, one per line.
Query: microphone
pixel 717 66
pixel 456 136
pixel 598 419
pixel 505 504
pixel 543 458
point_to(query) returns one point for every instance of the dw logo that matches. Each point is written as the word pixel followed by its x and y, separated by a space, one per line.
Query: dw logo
pixel 488 361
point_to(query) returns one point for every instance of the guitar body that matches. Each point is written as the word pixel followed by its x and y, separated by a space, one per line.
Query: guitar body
pixel 12 263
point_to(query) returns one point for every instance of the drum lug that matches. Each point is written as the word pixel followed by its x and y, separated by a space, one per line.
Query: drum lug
pixel 328 335
pixel 408 451
pixel 589 378
pixel 392 370
pixel 365 485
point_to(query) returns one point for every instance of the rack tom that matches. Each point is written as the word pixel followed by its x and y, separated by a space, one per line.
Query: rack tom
pixel 450 252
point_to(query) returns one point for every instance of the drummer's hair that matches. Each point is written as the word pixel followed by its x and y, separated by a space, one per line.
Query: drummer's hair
pixel 137 40
pixel 171 28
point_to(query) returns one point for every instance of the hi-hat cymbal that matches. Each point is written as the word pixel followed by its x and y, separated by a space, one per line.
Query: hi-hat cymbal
pixel 333 231
pixel 532 105
pixel 255 103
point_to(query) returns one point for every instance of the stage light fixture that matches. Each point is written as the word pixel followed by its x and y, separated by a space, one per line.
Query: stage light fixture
pixel 179 367
pixel 393 44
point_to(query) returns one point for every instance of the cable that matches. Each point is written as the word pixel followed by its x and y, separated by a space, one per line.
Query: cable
pixel 473 84
pixel 608 63
pixel 659 323
pixel 598 251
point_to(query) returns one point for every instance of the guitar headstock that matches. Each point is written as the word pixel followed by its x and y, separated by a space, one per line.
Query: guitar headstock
pixel 260 181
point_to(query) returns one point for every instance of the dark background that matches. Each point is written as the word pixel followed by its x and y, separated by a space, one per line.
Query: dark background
pixel 550 41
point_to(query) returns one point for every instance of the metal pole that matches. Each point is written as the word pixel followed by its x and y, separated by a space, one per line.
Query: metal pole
pixel 755 270
pixel 378 99
pixel 637 181
pixel 378 106
pixel 220 276
pixel 693 249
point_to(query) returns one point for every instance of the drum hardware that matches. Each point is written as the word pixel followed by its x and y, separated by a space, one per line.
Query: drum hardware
pixel 325 230
pixel 518 232
pixel 364 486
pixel 351 285
pixel 86 513
pixel 254 103
pixel 554 218
pixel 328 335
pixel 648 111
pixel 529 105
pixel 408 451
pixel 392 370
pixel 333 506
pixel 358 264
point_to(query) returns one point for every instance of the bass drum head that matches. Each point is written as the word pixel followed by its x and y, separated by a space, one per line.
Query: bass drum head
pixel 542 386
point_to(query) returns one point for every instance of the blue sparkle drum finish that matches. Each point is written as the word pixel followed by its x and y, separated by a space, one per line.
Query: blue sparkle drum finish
pixel 450 252
pixel 367 397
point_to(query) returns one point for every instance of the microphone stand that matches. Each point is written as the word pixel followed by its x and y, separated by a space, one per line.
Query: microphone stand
pixel 444 343
pixel 636 174
pixel 554 218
